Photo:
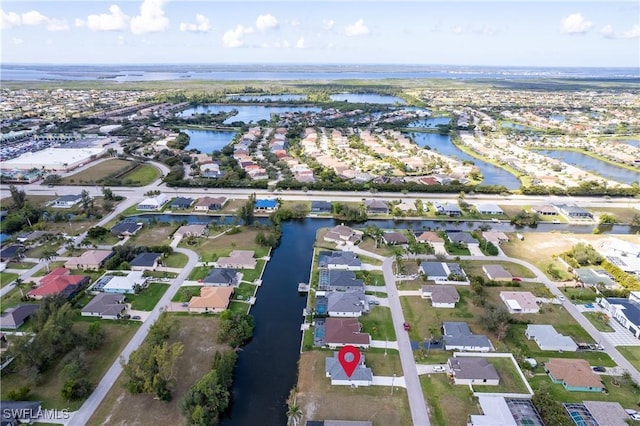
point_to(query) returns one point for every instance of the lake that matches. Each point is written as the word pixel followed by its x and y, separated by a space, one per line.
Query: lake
pixel 207 141
pixel 632 142
pixel 430 122
pixel 367 98
pixel 442 144
pixel 246 113
pixel 516 126
pixel 585 162
pixel 266 98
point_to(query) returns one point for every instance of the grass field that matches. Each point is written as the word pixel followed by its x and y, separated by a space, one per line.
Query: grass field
pixel 378 324
pixel 119 408
pixel 210 249
pixel 53 265
pixel 95 173
pixel 239 307
pixel 244 291
pixel 185 293
pixel 141 176
pixel 148 298
pixel 154 235
pixel 251 275
pixel 449 405
pixel 175 260
pixel 118 335
pixel 510 380
pixel 622 215
pixel 21 265
pixel 198 273
pixel 11 299
pixel 6 278
pixel 598 321
pixel 631 353
pixel 319 400
pixel 474 267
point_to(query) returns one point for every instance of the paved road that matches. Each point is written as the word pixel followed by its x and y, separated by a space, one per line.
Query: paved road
pixel 82 416
pixel 417 405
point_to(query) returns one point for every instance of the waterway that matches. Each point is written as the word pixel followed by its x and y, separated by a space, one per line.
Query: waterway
pixel 442 144
pixel 431 122
pixel 632 142
pixel 367 98
pixel 207 141
pixel 594 165
pixel 246 113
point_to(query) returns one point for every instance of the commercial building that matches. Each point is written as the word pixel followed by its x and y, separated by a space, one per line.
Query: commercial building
pixel 55 159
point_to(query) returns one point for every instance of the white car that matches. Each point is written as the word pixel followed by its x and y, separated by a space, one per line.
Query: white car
pixel 636 416
pixel 439 368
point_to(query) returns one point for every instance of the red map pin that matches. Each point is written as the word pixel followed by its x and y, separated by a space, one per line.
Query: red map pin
pixel 349 357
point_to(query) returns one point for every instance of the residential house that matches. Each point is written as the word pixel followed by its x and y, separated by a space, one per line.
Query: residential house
pixel 339 260
pixel 145 261
pixel 237 259
pixel 444 273
pixel 345 331
pixel 350 304
pixel 497 273
pixel 489 209
pixel 105 305
pixel 340 280
pixel 59 282
pixel 520 302
pixel 125 228
pixel 14 251
pixel 376 207
pixel 91 259
pixel 574 374
pixel 429 237
pixel 548 339
pixel 13 318
pixel 195 230
pixel 500 411
pixel 120 284
pixel 458 336
pixel 221 277
pixel 211 300
pixel 625 311
pixel 206 204
pixel 181 203
pixel 394 238
pixel 448 209
pixel 495 237
pixel 343 235
pixel 361 376
pixel 473 371
pixel 594 277
pixel 153 203
pixel 545 210
pixel 460 237
pixel 321 207
pixel 266 205
pixel 211 171
pixel 573 211
pixel 66 201
pixel 442 296
pixel 607 413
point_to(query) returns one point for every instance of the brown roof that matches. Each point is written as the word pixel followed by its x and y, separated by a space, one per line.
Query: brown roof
pixel 573 372
pixel 345 331
pixel 91 257
pixel 430 236
pixel 212 297
pixel 207 201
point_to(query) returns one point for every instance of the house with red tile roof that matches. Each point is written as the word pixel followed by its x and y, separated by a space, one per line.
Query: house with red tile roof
pixel 59 282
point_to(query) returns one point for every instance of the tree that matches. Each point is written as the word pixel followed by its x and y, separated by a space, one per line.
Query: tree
pixel 19 282
pixel 95 336
pixel 246 211
pixel 107 193
pixel 636 220
pixel 497 320
pixel 86 202
pixel 18 197
pixel 235 328
pixel 151 369
pixel 607 219
pixel 294 413
pixel 47 256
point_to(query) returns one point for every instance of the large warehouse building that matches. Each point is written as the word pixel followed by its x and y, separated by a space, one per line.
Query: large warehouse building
pixel 54 159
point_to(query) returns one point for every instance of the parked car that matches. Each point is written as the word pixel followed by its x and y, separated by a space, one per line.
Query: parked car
pixel 136 317
pixel 599 369
pixel 439 368
pixel 406 326
pixel 126 316
pixel 516 279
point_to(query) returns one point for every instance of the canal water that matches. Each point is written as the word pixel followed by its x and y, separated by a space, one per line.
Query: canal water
pixel 207 141
pixel 442 144
pixel 594 165
pixel 246 113
pixel 367 98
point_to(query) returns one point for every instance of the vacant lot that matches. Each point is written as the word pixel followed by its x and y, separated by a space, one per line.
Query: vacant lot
pixel 474 267
pixel 118 335
pixel 119 408
pixel 96 173
pixel 319 400
pixel 210 249
pixel 622 215
pixel 175 260
pixel 185 293
pixel 154 235
pixel 148 298
pixel 632 354
pixel 449 405
pixel 140 176
pixel 378 324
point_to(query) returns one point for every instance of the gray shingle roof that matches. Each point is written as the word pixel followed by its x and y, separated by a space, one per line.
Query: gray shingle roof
pixel 431 269
pixel 348 258
pixel 145 259
pixel 346 301
pixel 461 237
pixel 336 372
pixel 106 304
pixel 459 334
pixel 473 368
pixel 14 317
pixel 222 276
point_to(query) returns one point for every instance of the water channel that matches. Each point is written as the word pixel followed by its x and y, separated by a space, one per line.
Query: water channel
pixel 585 162
pixel 207 141
pixel 442 144
pixel 267 365
pixel 246 113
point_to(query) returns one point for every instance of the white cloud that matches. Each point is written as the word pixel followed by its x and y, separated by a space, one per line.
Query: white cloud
pixel 115 20
pixel 327 24
pixel 17 40
pixel 358 28
pixel 57 25
pixel 122 41
pixel 34 17
pixel 151 18
pixel 201 25
pixel 295 23
pixel 233 38
pixel 457 29
pixel 267 22
pixel 608 32
pixel 300 43
pixel 575 24
pixel 9 20
pixel 49 42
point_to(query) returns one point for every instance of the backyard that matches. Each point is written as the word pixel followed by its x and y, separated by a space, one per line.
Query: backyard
pixel 147 299
pixel 378 324
pixel 448 404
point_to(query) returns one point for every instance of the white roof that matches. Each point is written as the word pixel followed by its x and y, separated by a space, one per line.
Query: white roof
pixel 496 412
pixel 125 283
pixel 513 305
pixel 52 157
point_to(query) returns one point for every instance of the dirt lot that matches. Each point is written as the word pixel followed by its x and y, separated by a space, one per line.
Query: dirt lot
pixel 319 400
pixel 154 235
pixel 121 408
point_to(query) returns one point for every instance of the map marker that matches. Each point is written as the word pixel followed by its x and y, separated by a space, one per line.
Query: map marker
pixel 349 357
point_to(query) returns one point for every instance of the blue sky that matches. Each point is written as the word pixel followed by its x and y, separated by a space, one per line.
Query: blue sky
pixel 519 33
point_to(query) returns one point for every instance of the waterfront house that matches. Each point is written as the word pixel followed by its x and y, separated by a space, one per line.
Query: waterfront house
pixel 573 211
pixel 181 203
pixel 376 207
pixel 340 280
pixel 429 237
pixel 345 331
pixel 350 304
pixel 221 277
pixel 458 337
pixel 106 306
pixel 461 237
pixel 361 376
pixel 339 260
pixel 153 203
pixel 206 204
pixel 91 259
pixel 321 207
pixel 211 300
pixel 442 296
pixel 497 273
pixel 394 238
pixel 125 228
pixel 473 371
pixel 237 259
pixel 195 230
pixel 489 209
pixel 343 235
pixel 545 210
pixel 548 339
pixel 574 374
pixel 448 209
pixel 264 205
pixel 495 237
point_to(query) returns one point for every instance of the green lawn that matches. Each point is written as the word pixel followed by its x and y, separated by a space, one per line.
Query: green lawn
pixel 6 278
pixel 580 295
pixel 632 354
pixel 185 293
pixel 53 265
pixel 510 380
pixel 474 267
pixel 378 324
pixel 370 260
pixel 199 273
pixel 148 298
pixel 21 265
pixel 11 299
pixel 456 249
pixel 623 392
pixel 239 307
pixel 244 291
pixel 599 321
pixel 154 234
pixel 375 278
pixel 141 176
pixel 175 260
pixel 448 404
pixel 251 275
pixel 52 245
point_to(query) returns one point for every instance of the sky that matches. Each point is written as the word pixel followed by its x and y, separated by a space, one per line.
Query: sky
pixel 499 33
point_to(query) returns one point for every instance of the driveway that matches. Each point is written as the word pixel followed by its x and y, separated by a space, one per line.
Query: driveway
pixel 430 368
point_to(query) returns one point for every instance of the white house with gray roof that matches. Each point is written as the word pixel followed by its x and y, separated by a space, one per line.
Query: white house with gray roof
pixel 442 296
pixel 473 371
pixel 548 339
pixel 339 260
pixel 362 375
pixel 458 337
pixel 106 306
pixel 444 273
pixel 346 303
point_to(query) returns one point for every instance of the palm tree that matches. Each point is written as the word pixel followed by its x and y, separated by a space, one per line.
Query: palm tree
pixel 20 284
pixel 294 413
pixel 47 256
